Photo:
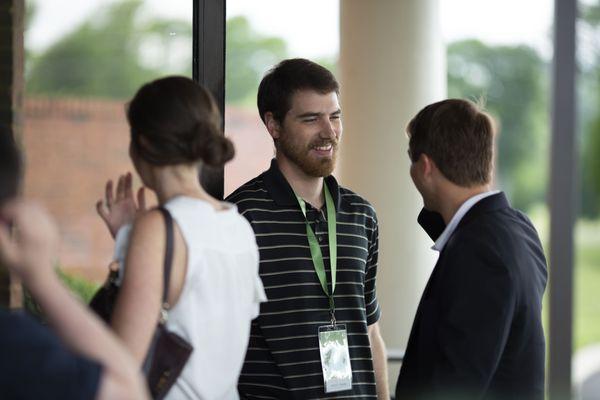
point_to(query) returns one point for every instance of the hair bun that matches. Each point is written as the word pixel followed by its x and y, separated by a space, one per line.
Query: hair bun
pixel 210 145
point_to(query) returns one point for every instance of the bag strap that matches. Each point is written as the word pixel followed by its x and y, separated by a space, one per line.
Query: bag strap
pixel 168 263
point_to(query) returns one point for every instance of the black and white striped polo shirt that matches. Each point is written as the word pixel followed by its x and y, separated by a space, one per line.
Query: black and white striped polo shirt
pixel 283 359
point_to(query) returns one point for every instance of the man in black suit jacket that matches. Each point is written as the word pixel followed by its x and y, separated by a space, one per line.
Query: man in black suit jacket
pixel 478 330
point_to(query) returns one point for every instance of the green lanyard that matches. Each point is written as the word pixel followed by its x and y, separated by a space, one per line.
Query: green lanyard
pixel 315 248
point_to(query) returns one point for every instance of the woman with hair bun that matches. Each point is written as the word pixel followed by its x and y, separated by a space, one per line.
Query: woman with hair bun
pixel 214 289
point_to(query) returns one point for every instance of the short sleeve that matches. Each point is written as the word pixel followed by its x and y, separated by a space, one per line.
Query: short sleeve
pixel 35 364
pixel 372 305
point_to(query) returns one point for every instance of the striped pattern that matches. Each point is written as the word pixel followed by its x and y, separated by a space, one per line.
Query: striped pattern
pixel 283 360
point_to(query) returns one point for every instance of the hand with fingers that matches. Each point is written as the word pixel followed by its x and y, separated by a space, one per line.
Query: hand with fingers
pixel 120 208
pixel 31 248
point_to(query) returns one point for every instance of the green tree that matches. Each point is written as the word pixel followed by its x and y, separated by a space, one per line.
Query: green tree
pixel 589 115
pixel 103 55
pixel 248 56
pixel 590 173
pixel 510 80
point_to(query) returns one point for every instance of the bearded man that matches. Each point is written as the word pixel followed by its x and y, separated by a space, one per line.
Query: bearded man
pixel 318 335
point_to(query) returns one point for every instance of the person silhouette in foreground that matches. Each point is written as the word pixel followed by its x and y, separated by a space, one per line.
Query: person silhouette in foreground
pixel 80 358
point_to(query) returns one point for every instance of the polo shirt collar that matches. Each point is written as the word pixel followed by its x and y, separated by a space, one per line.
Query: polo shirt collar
pixel 281 191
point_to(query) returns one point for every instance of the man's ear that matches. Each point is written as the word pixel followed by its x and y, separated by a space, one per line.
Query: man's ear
pixel 428 165
pixel 273 126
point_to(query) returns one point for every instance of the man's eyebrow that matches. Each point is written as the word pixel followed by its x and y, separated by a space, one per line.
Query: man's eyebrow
pixel 317 114
pixel 309 114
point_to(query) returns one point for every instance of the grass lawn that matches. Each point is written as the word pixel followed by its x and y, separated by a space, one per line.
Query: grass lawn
pixel 587 284
pixel 586 293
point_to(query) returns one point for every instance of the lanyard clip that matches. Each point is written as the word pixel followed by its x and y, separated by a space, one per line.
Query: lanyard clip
pixel 332 310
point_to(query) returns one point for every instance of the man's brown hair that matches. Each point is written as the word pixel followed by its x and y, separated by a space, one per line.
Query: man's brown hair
pixel 458 136
pixel 286 78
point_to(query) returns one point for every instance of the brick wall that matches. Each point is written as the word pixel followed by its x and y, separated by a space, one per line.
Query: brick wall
pixel 72 146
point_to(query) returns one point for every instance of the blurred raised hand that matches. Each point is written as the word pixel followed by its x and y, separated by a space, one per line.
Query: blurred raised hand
pixel 121 207
pixel 28 239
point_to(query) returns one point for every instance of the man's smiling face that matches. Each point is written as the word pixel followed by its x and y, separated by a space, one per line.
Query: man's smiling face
pixel 310 132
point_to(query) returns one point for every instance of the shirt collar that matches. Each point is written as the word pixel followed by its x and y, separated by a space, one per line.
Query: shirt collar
pixel 458 216
pixel 283 194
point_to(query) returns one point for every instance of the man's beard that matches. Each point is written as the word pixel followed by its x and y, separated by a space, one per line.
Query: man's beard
pixel 299 155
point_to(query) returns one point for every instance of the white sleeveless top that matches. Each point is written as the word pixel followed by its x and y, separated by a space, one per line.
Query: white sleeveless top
pixel 221 295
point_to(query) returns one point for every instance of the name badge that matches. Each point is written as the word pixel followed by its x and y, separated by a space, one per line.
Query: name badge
pixel 335 358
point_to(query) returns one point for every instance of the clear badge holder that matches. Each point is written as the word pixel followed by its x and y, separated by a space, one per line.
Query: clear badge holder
pixel 335 358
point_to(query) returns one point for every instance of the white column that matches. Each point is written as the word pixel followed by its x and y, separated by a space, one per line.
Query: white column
pixel 392 63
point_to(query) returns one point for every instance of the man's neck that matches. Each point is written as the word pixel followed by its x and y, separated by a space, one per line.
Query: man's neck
pixel 454 197
pixel 308 187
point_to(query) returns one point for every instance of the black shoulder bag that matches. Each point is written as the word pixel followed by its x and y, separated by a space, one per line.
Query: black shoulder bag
pixel 168 352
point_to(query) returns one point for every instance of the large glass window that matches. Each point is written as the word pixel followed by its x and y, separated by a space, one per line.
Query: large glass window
pixel 510 68
pixel 84 61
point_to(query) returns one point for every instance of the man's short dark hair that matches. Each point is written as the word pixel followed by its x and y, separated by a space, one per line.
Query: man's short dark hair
pixel 10 166
pixel 289 76
pixel 458 136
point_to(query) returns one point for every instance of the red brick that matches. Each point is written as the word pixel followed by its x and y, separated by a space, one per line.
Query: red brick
pixel 73 146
